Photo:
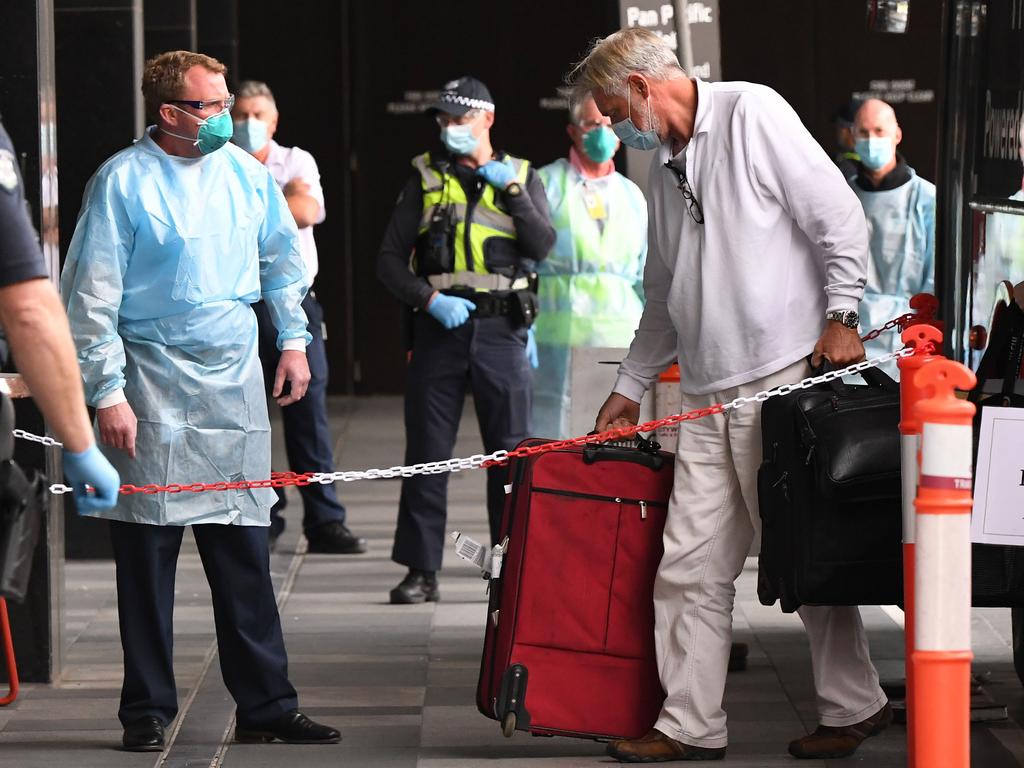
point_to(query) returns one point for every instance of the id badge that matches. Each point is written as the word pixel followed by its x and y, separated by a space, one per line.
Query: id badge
pixel 594 204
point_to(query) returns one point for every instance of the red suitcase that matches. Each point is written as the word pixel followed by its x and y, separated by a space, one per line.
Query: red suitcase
pixel 569 647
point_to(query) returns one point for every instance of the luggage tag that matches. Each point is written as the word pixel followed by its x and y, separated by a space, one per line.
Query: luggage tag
pixel 489 561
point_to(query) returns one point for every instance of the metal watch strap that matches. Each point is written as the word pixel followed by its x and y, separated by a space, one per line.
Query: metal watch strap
pixel 849 317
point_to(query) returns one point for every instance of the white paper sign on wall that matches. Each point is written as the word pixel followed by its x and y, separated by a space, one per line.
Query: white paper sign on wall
pixel 998 516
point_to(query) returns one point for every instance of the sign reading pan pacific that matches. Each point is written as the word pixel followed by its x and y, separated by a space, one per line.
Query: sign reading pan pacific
pixel 660 18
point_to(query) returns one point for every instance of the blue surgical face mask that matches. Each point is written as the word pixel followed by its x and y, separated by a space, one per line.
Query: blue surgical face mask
pixel 599 144
pixel 460 139
pixel 251 135
pixel 875 151
pixel 214 131
pixel 629 134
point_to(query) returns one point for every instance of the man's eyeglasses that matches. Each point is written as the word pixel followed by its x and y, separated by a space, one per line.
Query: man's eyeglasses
pixel 588 125
pixel 692 204
pixel 219 104
pixel 444 119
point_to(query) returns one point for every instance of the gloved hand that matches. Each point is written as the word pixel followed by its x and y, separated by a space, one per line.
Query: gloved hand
pixel 450 311
pixel 531 348
pixel 497 173
pixel 91 466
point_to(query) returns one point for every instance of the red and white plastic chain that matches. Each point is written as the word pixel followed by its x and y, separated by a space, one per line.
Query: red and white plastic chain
pixel 479 461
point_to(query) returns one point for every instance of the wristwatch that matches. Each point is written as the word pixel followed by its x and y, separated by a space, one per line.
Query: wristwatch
pixel 849 318
pixel 515 189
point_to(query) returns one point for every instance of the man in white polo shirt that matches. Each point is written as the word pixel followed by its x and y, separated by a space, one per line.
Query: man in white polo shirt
pixel 307 433
pixel 757 258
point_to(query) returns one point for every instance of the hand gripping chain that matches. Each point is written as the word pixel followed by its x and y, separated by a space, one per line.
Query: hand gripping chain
pixel 482 461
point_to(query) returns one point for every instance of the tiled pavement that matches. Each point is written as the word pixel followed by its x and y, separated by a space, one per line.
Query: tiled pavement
pixel 399 681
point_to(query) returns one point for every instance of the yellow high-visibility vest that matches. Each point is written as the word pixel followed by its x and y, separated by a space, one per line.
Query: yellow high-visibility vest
pixel 488 219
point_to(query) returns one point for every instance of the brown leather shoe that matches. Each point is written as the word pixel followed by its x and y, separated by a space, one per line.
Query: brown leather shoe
pixel 829 741
pixel 656 747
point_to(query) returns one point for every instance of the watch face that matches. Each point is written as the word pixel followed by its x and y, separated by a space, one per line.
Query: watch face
pixel 514 189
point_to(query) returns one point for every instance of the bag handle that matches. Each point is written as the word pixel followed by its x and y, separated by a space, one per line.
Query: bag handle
pixel 644 452
pixel 1007 344
pixel 874 377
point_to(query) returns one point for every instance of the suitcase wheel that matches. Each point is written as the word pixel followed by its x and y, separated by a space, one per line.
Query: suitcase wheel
pixel 508 724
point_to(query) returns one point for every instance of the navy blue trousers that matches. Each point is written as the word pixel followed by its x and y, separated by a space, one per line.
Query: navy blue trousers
pixel 252 654
pixel 307 433
pixel 488 357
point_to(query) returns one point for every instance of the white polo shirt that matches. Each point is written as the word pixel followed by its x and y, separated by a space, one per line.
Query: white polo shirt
pixel 784 239
pixel 285 164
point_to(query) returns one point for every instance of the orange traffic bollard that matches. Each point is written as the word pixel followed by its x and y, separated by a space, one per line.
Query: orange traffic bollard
pixel 942 570
pixel 916 337
pixel 12 667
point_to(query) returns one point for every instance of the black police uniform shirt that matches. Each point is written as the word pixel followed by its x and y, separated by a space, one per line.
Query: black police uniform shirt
pixel 20 256
pixel 535 235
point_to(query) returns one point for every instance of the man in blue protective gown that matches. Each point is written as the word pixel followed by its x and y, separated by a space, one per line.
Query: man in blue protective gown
pixel 178 235
pixel 900 209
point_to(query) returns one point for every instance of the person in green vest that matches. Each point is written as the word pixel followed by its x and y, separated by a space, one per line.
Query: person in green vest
pixel 590 284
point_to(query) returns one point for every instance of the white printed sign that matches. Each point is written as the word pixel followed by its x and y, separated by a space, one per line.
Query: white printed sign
pixel 998 516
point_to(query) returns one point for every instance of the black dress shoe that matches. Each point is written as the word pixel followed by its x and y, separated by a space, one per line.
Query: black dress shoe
pixel 144 735
pixel 290 728
pixel 334 539
pixel 416 587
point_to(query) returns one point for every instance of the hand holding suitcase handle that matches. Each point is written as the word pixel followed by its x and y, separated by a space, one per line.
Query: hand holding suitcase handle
pixel 646 453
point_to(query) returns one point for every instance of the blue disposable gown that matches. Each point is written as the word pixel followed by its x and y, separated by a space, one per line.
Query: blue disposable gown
pixel 167 257
pixel 901 227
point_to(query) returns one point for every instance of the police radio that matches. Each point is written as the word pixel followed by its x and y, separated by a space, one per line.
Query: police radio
pixel 439 247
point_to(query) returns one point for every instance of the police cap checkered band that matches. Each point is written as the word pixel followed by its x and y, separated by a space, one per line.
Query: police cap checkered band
pixel 460 96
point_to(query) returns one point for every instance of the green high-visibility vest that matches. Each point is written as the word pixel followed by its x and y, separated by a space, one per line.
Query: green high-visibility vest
pixel 589 281
pixel 488 220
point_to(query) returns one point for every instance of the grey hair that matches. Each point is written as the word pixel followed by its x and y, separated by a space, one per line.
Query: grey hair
pixel 250 89
pixel 612 59
pixel 574 107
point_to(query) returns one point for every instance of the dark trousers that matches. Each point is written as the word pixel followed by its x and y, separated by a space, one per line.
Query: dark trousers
pixel 307 433
pixel 252 654
pixel 489 357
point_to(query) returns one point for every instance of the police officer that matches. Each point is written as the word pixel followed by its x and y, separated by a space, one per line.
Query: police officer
pixel 37 329
pixel 474 222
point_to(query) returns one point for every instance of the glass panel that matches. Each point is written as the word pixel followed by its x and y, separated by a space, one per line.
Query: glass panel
pixel 889 16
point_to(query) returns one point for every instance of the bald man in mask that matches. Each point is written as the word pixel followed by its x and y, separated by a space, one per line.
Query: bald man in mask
pixel 900 209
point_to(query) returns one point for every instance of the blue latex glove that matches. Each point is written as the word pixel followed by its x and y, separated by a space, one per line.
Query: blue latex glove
pixel 91 466
pixel 450 311
pixel 531 348
pixel 497 173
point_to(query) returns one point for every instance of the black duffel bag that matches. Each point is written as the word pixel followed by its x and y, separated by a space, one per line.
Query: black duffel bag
pixel 830 496
pixel 22 501
pixel 997 570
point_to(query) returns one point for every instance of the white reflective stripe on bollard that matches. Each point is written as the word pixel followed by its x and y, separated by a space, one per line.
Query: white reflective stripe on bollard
pixel 910 444
pixel 942 555
pixel 946 457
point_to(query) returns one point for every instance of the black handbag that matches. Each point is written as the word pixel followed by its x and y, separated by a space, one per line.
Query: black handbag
pixel 22 501
pixel 830 496
pixel 997 570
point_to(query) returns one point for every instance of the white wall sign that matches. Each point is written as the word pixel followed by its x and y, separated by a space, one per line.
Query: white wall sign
pixel 998 516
